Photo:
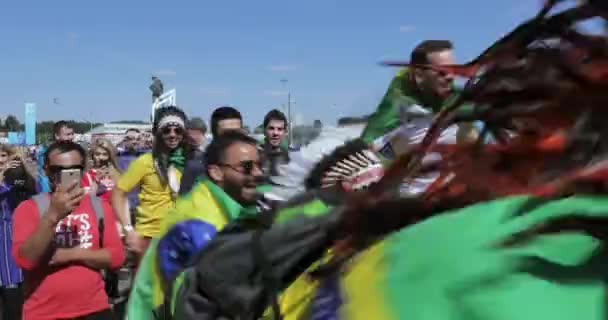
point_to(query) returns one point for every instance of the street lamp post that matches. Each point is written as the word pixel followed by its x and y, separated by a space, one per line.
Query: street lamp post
pixel 289 127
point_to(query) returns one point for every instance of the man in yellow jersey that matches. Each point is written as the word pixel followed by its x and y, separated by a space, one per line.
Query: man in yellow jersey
pixel 158 175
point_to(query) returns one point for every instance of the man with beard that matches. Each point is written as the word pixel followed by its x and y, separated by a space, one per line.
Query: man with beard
pixel 227 193
pixel 292 236
pixel 158 175
pixel 273 149
pixel 413 97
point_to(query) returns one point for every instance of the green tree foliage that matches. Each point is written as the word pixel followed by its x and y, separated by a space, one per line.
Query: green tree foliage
pixel 11 123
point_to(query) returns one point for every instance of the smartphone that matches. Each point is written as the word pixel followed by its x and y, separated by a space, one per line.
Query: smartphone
pixel 68 176
pixel 104 163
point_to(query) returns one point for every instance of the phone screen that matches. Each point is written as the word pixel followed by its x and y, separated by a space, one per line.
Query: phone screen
pixel 104 163
pixel 68 176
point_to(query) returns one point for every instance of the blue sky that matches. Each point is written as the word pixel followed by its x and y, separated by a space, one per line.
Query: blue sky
pixel 96 57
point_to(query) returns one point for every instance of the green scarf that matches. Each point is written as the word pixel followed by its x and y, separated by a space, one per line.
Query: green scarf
pixel 177 159
pixel 400 93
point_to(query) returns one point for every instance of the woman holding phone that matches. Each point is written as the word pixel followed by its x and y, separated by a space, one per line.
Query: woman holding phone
pixel 16 185
pixel 101 178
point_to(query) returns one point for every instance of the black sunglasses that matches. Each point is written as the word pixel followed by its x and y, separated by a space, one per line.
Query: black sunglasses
pixel 177 130
pixel 244 167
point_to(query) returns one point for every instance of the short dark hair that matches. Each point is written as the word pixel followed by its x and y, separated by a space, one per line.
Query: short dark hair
pixel 65 147
pixel 57 126
pixel 197 123
pixel 313 181
pixel 214 153
pixel 223 113
pixel 274 115
pixel 420 54
pixel 132 130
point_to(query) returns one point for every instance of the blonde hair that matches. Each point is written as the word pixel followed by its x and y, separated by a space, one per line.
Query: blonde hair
pixel 10 150
pixel 109 148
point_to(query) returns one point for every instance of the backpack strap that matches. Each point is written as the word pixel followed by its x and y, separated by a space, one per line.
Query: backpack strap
pixel 99 214
pixel 42 202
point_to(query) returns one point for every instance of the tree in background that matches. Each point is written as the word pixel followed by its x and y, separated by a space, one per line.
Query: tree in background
pixel 11 123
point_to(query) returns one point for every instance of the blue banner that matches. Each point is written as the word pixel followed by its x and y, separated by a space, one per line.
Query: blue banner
pixel 12 138
pixel 16 138
pixel 30 123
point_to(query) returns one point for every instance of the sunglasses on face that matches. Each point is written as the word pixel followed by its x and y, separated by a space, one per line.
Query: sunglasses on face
pixel 176 130
pixel 127 138
pixel 244 167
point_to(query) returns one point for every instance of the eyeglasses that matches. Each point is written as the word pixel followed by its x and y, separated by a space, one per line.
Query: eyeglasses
pixel 244 167
pixel 127 138
pixel 176 130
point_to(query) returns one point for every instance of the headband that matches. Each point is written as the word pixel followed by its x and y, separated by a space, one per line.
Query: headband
pixel 171 120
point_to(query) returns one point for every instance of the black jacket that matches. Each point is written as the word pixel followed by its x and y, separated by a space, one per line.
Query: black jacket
pixel 272 158
pixel 194 168
pixel 241 271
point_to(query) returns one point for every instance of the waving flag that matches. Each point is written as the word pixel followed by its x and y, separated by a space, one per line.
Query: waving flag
pixel 451 267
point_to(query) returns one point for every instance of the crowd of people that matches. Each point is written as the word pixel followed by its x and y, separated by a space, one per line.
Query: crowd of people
pixel 65 257
pixel 66 238
pixel 192 229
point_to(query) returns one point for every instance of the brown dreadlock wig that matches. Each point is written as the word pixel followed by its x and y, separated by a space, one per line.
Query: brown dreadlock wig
pixel 541 91
pixel 163 117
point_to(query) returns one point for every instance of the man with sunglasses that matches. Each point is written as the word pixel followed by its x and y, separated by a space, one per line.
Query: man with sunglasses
pixel 206 290
pixel 407 110
pixel 413 97
pixel 226 193
pixel 63 249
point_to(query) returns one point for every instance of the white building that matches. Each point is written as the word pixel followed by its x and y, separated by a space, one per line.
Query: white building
pixel 115 132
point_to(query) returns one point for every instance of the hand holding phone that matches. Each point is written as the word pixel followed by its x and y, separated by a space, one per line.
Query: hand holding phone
pixel 68 176
pixel 68 194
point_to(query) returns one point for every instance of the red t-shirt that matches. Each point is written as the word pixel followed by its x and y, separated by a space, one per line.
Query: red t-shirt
pixel 91 177
pixel 70 290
